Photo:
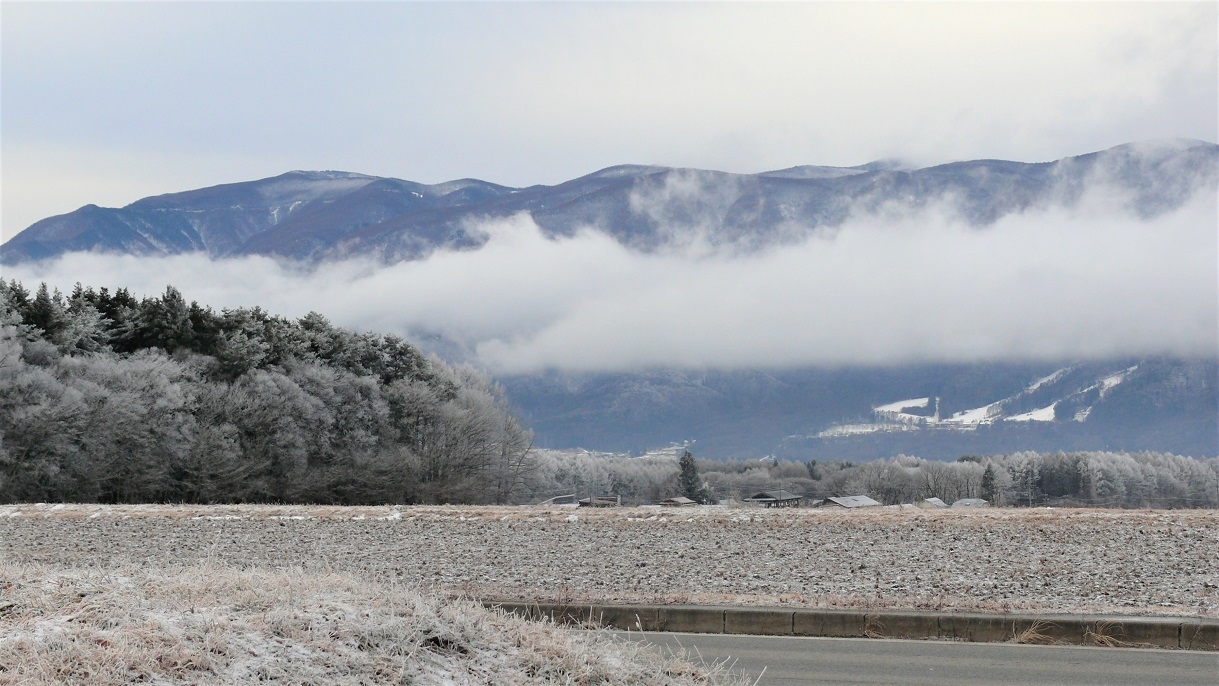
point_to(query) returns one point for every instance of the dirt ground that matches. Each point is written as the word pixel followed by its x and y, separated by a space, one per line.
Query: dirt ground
pixel 1050 560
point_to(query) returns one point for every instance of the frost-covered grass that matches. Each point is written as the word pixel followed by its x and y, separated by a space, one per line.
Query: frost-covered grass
pixel 205 624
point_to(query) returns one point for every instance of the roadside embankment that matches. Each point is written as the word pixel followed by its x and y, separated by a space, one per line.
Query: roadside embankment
pixel 1188 633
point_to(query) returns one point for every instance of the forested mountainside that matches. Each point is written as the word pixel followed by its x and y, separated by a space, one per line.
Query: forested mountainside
pixel 106 398
pixel 306 215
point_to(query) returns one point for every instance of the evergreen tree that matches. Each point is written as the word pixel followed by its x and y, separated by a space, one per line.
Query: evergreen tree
pixel 813 474
pixel 990 492
pixel 46 312
pixel 84 326
pixel 10 314
pixel 689 481
pixel 165 322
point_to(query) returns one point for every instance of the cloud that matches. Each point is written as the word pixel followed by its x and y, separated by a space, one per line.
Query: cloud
pixel 525 93
pixel 1086 282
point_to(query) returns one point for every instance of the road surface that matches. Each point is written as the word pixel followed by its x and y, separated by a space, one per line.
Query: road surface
pixel 797 660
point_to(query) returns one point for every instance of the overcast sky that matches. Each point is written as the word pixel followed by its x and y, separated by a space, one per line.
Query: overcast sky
pixel 106 103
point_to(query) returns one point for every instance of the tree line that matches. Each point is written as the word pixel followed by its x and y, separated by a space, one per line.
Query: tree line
pixel 1063 479
pixel 108 398
pixel 1024 479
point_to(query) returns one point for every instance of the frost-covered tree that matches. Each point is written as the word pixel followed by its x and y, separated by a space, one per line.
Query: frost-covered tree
pixel 117 400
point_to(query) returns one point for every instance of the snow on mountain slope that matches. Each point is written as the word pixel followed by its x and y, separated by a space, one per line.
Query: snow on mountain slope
pixel 986 414
pixel 903 404
pixel 1045 414
pixel 1109 382
pixel 893 416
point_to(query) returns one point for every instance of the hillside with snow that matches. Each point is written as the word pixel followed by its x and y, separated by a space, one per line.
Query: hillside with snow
pixel 831 414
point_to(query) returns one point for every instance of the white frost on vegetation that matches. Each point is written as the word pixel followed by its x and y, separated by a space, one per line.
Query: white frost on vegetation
pixel 213 625
pixel 862 429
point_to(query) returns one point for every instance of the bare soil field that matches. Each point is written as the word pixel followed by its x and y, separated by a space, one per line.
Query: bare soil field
pixel 1135 562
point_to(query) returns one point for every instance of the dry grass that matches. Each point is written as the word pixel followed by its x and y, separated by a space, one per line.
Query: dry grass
pixel 211 625
pixel 873 627
pixel 1036 634
pixel 1105 634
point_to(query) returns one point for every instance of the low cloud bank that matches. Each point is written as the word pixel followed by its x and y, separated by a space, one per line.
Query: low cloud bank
pixel 1088 282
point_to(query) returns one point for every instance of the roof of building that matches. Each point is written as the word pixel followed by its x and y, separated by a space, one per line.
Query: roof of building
pixel 678 500
pixel 854 501
pixel 932 503
pixel 775 495
pixel 601 500
pixel 971 502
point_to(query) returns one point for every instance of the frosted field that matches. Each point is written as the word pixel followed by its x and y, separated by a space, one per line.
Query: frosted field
pixel 1104 561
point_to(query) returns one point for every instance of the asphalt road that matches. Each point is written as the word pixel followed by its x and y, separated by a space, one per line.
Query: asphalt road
pixel 789 660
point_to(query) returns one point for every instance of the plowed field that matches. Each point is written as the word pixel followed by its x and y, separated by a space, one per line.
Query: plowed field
pixel 1098 561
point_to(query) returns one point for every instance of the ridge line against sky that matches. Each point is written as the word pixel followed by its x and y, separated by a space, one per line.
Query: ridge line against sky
pixel 106 103
pixel 892 163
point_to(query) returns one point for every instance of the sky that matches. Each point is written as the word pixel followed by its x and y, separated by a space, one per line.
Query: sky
pixel 106 103
pixel 109 102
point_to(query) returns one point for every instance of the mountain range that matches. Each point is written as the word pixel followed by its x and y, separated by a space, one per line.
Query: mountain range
pixel 316 216
pixel 932 410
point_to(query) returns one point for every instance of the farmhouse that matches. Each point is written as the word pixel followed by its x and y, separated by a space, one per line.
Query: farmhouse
pixel 851 501
pixel 778 498
pixel 601 501
pixel 971 502
pixel 679 501
pixel 931 504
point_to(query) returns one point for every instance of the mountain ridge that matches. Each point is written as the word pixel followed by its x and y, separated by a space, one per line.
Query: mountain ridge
pixel 322 215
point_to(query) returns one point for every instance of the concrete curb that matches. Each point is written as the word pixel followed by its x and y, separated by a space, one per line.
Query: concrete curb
pixel 1091 630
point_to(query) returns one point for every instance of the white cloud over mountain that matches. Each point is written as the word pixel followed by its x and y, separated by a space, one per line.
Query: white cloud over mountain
pixel 1086 282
